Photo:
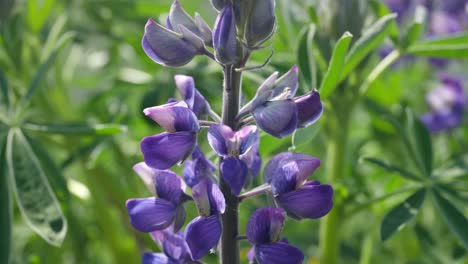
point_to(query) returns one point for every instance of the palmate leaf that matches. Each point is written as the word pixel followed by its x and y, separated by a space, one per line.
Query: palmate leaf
pixel 392 168
pixel 5 205
pixel 35 198
pixel 399 216
pixel 455 219
pixel 420 142
pixel 333 74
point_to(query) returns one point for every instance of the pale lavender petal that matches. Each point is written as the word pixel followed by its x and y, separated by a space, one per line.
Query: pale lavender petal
pixel 155 258
pixel 251 255
pixel 217 201
pixel 309 108
pixel 175 247
pixel 178 16
pixel 277 118
pixel 150 214
pixel 225 36
pixel 202 234
pixel 307 202
pixel 265 225
pixel 234 172
pixel 217 138
pixel 186 87
pixel 174 117
pixel 246 137
pixel 164 150
pixel 205 30
pixel 208 198
pixel 287 83
pixel 147 176
pixel 166 47
pixel 278 253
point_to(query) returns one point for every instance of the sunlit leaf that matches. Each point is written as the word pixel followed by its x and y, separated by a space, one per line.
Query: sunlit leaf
pixel 335 68
pixel 6 201
pixel 35 198
pixel 98 129
pixel 455 219
pixel 38 11
pixel 458 167
pixel 370 40
pixel 444 47
pixel 415 29
pixel 399 216
pixel 392 168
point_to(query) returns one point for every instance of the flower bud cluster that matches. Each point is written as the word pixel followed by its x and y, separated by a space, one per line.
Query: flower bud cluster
pixel 275 109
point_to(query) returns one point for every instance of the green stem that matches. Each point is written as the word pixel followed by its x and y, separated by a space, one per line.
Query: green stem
pixel 335 164
pixel 230 219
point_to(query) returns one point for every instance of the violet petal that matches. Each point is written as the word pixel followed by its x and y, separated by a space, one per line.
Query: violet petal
pixel 155 258
pixel 174 117
pixel 202 234
pixel 277 118
pixel 217 138
pixel 310 201
pixel 150 214
pixel 265 225
pixel 309 108
pixel 234 172
pixel 278 253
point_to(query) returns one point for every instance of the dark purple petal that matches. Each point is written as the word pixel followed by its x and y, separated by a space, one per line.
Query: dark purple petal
pixel 155 258
pixel 288 171
pixel 168 186
pixel 189 174
pixel 164 150
pixel 277 118
pixel 150 214
pixel 278 253
pixel 310 201
pixel 265 225
pixel 260 23
pixel 166 47
pixel 174 117
pixel 217 138
pixel 225 36
pixel 234 172
pixel 202 234
pixel 309 108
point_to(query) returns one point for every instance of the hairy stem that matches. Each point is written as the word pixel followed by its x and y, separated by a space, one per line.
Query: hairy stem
pixel 230 219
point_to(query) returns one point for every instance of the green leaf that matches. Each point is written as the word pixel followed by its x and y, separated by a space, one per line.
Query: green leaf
pixel 335 68
pixel 41 72
pixel 98 129
pixel 4 89
pixel 38 11
pixel 455 168
pixel 370 40
pixel 420 142
pixel 392 168
pixel 415 29
pixel 445 47
pixel 6 206
pixel 35 198
pixel 305 58
pixel 455 219
pixel 399 216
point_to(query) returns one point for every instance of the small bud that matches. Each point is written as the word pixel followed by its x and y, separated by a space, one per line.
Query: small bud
pixel 260 23
pixel 225 36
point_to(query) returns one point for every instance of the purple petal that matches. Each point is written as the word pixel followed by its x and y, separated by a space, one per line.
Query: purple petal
pixel 168 186
pixel 150 214
pixel 178 16
pixel 253 161
pixel 307 202
pixel 234 172
pixel 278 253
pixel 179 218
pixel 288 170
pixel 309 108
pixel 175 247
pixel 251 255
pixel 277 118
pixel 205 30
pixel 147 176
pixel 186 87
pixel 155 258
pixel 164 150
pixel 202 234
pixel 174 117
pixel 225 36
pixel 265 225
pixel 208 198
pixel 261 22
pixel 189 174
pixel 246 138
pixel 287 83
pixel 166 47
pixel 442 23
pixel 218 136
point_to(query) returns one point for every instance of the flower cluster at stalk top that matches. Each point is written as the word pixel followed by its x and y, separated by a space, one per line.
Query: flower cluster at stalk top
pixel 275 109
pixel 447 103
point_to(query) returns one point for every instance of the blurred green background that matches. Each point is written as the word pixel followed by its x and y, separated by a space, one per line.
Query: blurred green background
pixel 98 74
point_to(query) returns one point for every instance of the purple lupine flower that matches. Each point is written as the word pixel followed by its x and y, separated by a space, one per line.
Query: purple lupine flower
pixel 179 18
pixel 198 168
pixel 455 7
pixel 203 233
pixel 165 208
pixel 447 103
pixel 277 111
pixel 253 161
pixel 443 23
pixel 401 7
pixel 263 231
pixel 260 22
pixel 233 146
pixel 194 99
pixel 225 36
pixel 174 249
pixel 164 150
pixel 287 173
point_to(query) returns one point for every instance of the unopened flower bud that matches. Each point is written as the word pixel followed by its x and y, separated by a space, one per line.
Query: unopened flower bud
pixel 225 36
pixel 260 22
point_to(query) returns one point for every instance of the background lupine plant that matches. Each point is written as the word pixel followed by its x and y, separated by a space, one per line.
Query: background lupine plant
pixel 240 29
